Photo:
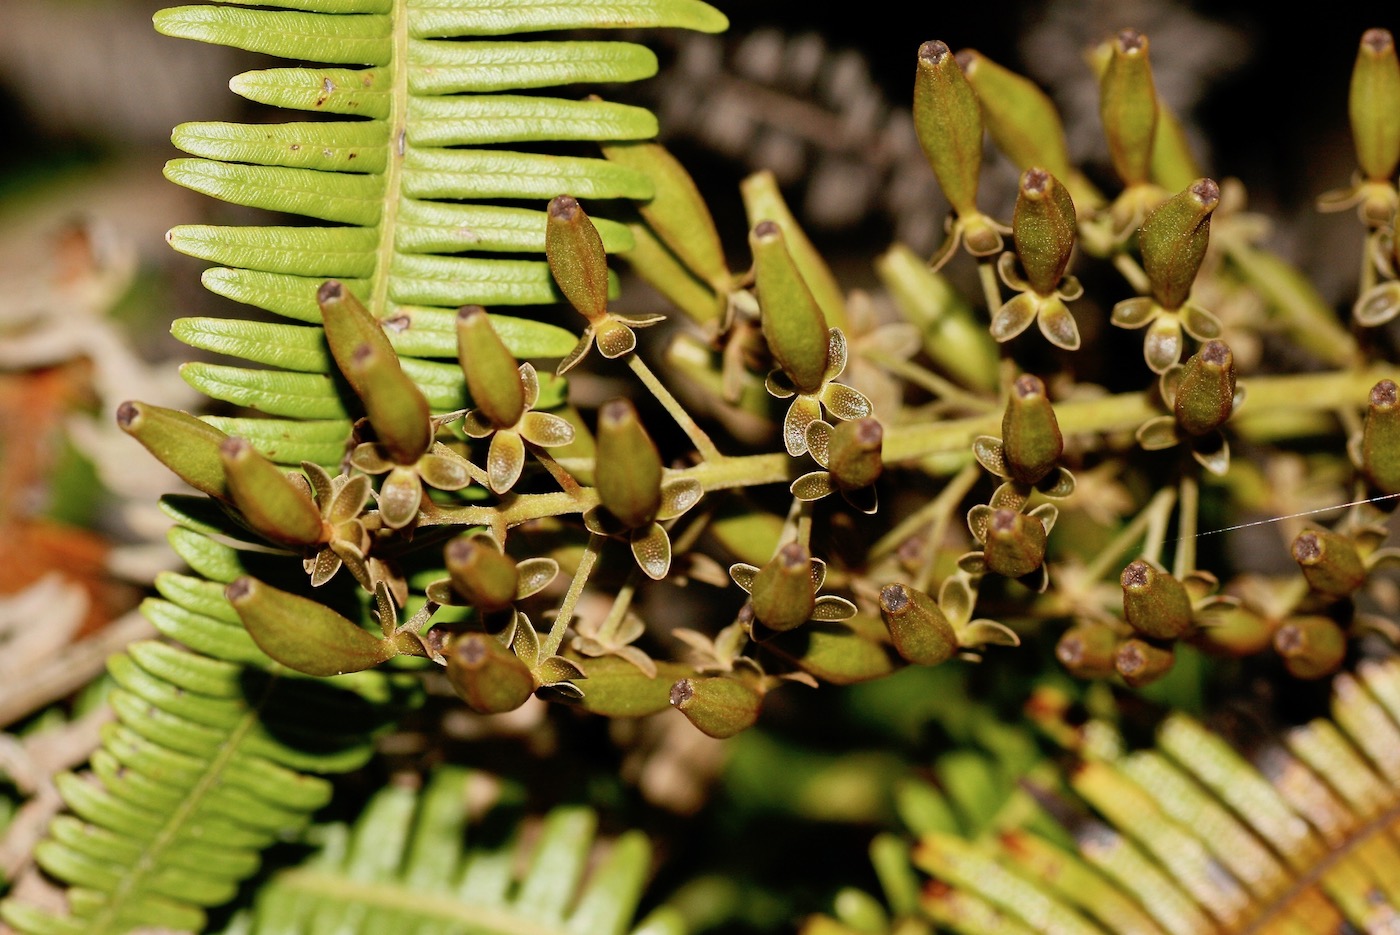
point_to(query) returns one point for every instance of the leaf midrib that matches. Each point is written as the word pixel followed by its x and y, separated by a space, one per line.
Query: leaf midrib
pixel 398 147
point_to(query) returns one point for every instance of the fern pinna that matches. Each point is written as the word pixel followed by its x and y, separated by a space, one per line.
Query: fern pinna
pixel 418 197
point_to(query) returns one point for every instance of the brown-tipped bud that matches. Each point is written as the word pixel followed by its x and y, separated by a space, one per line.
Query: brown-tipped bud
pixel 918 627
pixel 1173 241
pixel 184 444
pixel 486 675
pixel 1380 438
pixel 1311 647
pixel 1373 105
pixel 304 634
pixel 948 121
pixel 1043 228
pixel 783 593
pixel 1156 604
pixel 1205 395
pixel 394 404
pixel 576 258
pixel 1140 662
pixel 792 321
pixel 1087 650
pixel 1128 106
pixel 719 706
pixel 763 201
pixel 629 466
pixel 853 453
pixel 1234 631
pixel 1030 434
pixel 1021 118
pixel 481 574
pixel 1015 543
pixel 492 372
pixel 1330 562
pixel 272 503
pixel 348 326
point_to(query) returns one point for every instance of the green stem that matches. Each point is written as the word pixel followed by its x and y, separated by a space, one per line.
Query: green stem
pixel 1159 505
pixel 697 435
pixel 942 513
pixel 608 631
pixel 1133 272
pixel 1188 515
pixel 991 289
pixel 926 379
pixel 566 607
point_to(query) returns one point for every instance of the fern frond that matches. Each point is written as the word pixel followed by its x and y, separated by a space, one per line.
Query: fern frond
pixel 410 863
pixel 419 196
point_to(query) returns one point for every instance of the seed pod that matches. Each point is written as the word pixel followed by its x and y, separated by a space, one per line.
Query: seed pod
pixel 629 466
pixel 484 576
pixel 1128 107
pixel 792 322
pixel 486 675
pixel 187 446
pixel 1380 438
pixel 1087 650
pixel 270 502
pixel 783 593
pixel 918 627
pixel 1373 104
pixel 576 258
pixel 304 634
pixel 1330 562
pixel 1043 228
pixel 394 404
pixel 1139 662
pixel 854 453
pixel 719 706
pixel 1156 604
pixel 948 121
pixel 1205 395
pixel 1030 434
pixel 1015 544
pixel 1173 241
pixel 1311 647
pixel 492 372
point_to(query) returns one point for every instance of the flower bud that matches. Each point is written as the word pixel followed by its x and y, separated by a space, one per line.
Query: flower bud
pixel 481 573
pixel 719 706
pixel 1015 544
pixel 629 466
pixel 1234 631
pixel 1311 647
pixel 492 372
pixel 1156 604
pixel 1128 107
pixel 853 453
pixel 271 503
pixel 837 653
pixel 576 258
pixel 348 325
pixel 1173 241
pixel 1043 228
pixel 1139 662
pixel 304 634
pixel 918 627
pixel 1030 434
pixel 187 446
pixel 783 593
pixel 1205 395
pixel 948 121
pixel 1380 438
pixel 1373 104
pixel 394 404
pixel 1087 650
pixel 1330 562
pixel 793 324
pixel 486 675
pixel 1020 117
pixel 763 201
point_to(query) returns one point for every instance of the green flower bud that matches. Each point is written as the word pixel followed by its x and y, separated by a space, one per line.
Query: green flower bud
pixel 348 325
pixel 1156 604
pixel 187 446
pixel 719 706
pixel 304 634
pixel 1139 662
pixel 486 675
pixel 492 372
pixel 394 404
pixel 481 573
pixel 783 593
pixel 629 466
pixel 1087 650
pixel 918 627
pixel 1128 107
pixel 1234 631
pixel 853 453
pixel 1043 228
pixel 1330 562
pixel 1021 118
pixel 763 201
pixel 271 503
pixel 1173 241
pixel 948 121
pixel 1205 395
pixel 837 653
pixel 1311 647
pixel 1015 544
pixel 1373 105
pixel 1380 438
pixel 792 321
pixel 1030 434
pixel 576 258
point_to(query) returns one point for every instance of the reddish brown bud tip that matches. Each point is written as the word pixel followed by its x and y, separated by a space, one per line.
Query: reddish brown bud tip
pixel 471 652
pixel 1207 192
pixel 1004 521
pixel 469 312
pixel 330 291
pixel 1379 41
pixel 1307 548
pixel 239 589
pixel 966 59
pixel 563 207
pixel 894 598
pixel 869 431
pixel 234 446
pixel 1136 574
pixel 766 229
pixel 1384 395
pixel 1035 181
pixel 1216 352
pixel 933 51
pixel 681 692
pixel 1028 386
pixel 127 412
pixel 1130 40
